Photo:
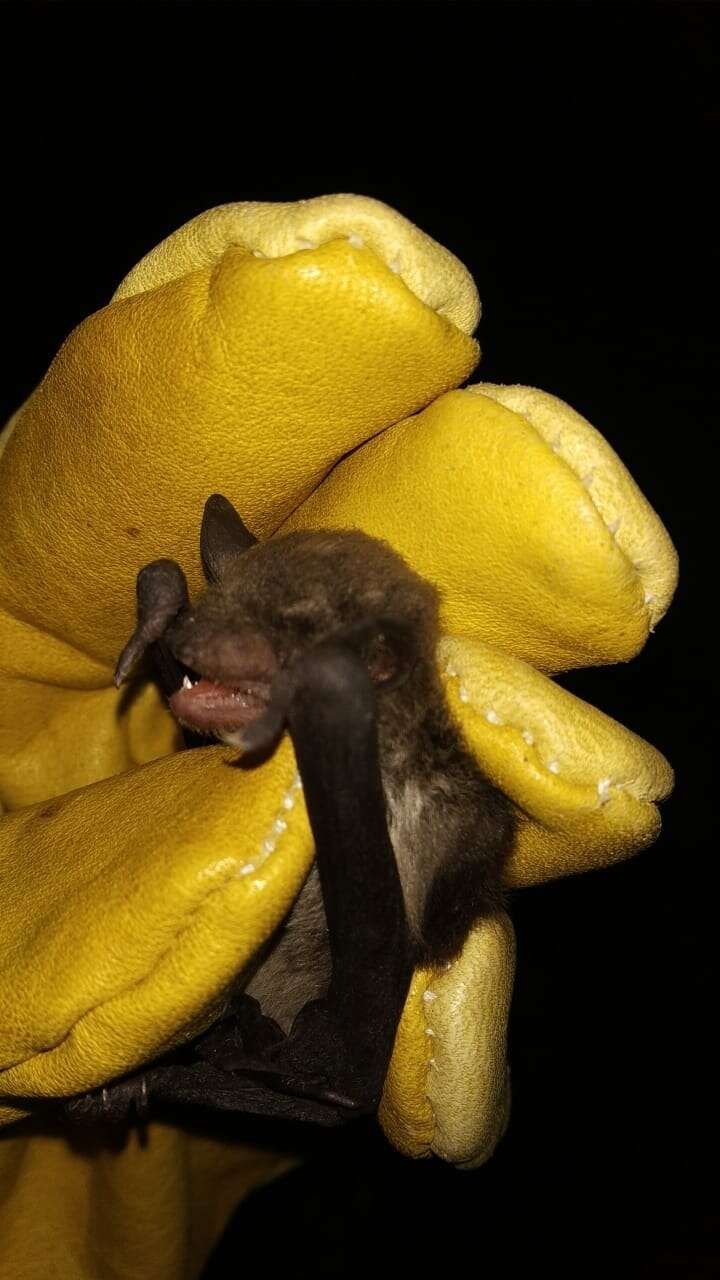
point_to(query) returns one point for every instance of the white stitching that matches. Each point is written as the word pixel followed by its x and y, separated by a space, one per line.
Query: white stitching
pixel 429 997
pixel 278 827
pixel 553 766
pixel 587 480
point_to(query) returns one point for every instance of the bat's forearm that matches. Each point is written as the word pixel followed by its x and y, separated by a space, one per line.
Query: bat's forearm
pixel 333 722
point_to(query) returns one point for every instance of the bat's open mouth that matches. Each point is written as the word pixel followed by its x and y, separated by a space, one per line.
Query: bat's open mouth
pixel 208 706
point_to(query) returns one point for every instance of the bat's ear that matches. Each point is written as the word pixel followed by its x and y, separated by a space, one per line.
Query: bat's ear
pixel 161 594
pixel 222 536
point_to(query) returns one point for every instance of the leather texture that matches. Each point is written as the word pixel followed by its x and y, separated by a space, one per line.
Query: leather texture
pixel 136 880
pixel 447 1092
pixel 150 1207
pixel 187 867
pixel 522 514
pixel 624 511
pixel 428 269
pixel 586 787
pixel 248 376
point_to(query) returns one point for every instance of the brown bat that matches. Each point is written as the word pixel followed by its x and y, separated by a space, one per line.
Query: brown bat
pixel 332 636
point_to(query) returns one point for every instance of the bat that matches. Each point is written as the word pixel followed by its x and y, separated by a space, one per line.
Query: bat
pixel 331 636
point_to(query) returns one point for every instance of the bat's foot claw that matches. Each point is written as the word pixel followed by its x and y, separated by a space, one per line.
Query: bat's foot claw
pixel 312 1063
pixel 115 1103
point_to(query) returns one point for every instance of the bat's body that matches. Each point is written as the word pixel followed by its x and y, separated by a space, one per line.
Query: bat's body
pixel 333 636
pixel 449 831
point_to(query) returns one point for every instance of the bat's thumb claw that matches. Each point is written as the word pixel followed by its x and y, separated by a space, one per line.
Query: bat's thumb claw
pixel 263 733
pixel 126 662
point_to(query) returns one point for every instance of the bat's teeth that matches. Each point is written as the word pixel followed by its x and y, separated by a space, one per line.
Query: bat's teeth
pixel 187 682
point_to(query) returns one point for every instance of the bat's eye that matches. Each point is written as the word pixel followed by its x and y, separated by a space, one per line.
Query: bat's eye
pixel 382 659
pixel 300 616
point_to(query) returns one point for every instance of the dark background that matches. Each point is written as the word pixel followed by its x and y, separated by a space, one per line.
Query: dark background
pixel 566 154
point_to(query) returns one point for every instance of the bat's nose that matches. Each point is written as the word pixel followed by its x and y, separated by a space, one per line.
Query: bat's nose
pixel 230 657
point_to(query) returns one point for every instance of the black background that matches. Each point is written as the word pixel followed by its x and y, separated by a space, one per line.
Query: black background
pixel 566 153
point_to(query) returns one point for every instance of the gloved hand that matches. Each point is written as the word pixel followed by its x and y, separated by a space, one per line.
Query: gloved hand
pixel 247 354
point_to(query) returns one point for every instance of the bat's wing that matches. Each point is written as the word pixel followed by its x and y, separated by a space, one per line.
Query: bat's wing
pixel 333 1063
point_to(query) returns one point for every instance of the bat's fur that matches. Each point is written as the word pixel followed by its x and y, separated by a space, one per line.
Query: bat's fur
pixel 451 829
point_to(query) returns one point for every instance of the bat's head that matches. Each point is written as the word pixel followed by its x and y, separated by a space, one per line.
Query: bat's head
pixel 231 655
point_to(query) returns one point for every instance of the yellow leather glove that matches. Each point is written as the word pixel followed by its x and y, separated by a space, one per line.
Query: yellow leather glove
pixel 246 354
